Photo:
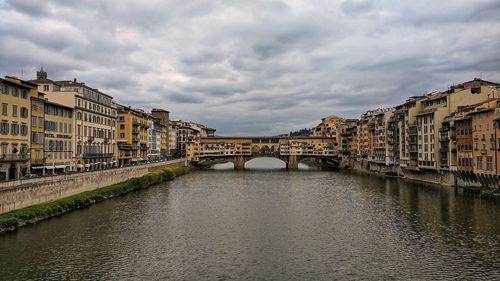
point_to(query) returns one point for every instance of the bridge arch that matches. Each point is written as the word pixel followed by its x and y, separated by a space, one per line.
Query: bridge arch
pixel 272 162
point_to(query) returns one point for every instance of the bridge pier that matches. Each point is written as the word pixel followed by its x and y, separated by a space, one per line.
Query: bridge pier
pixel 293 163
pixel 239 163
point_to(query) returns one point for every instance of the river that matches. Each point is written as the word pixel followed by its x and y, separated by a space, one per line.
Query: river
pixel 266 225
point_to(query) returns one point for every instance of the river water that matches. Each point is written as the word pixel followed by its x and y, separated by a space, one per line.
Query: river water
pixel 265 225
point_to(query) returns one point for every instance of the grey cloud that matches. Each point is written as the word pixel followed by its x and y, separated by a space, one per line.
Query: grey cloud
pixel 254 67
pixel 356 6
pixel 181 98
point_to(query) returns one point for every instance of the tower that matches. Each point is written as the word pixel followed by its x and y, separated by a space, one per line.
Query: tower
pixel 41 75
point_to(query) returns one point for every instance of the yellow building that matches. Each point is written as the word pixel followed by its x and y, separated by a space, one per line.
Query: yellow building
pixel 131 135
pixel 15 98
pixel 58 138
pixel 37 157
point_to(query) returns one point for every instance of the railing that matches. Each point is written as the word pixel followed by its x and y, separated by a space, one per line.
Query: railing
pixel 124 146
pixel 37 162
pixel 14 157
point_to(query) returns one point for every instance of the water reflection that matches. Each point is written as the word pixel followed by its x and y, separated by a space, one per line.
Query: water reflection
pixel 266 225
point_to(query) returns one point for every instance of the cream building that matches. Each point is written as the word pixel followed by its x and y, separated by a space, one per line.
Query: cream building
pixel 438 105
pixel 94 126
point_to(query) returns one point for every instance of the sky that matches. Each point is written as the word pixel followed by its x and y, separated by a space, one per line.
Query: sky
pixel 258 67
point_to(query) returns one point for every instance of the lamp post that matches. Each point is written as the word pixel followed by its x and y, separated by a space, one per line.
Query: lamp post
pixel 495 126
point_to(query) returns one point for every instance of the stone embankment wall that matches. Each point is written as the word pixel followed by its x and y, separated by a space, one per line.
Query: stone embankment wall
pixel 23 193
pixel 429 176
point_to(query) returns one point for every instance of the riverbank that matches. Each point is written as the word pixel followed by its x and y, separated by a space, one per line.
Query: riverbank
pixel 36 213
pixel 430 177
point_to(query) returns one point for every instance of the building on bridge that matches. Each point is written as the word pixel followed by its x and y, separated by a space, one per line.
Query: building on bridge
pixel 242 149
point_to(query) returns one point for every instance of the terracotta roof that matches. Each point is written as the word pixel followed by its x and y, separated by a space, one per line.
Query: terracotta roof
pixel 44 81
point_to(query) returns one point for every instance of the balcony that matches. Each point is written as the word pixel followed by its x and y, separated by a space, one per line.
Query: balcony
pixel 90 139
pixel 126 146
pixel 97 155
pixel 13 157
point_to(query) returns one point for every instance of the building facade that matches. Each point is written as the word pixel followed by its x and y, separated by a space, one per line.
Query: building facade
pixel 15 98
pixel 132 135
pixel 58 138
pixel 164 119
pixel 37 134
pixel 94 126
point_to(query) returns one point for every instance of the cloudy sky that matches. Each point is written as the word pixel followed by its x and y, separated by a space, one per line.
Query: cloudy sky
pixel 259 66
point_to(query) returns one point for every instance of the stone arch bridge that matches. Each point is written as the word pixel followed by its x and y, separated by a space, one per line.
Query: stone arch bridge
pixel 239 150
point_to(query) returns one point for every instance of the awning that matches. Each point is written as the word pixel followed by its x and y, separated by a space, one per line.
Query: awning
pixel 49 167
pixel 37 167
pixel 79 166
pixel 87 165
pixel 104 163
pixel 61 166
pixel 134 160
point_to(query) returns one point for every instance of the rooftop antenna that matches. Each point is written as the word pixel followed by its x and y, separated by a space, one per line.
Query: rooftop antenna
pixel 22 74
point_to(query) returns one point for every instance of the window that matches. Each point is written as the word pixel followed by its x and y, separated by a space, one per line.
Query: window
pixel 24 94
pixel 4 128
pixel 15 92
pixel 14 129
pixel 489 162
pixel 40 122
pixel 24 112
pixel 45 87
pixel 24 129
pixel 14 110
pixel 36 138
pixel 5 89
pixel 479 162
pixel 33 122
pixel 5 109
